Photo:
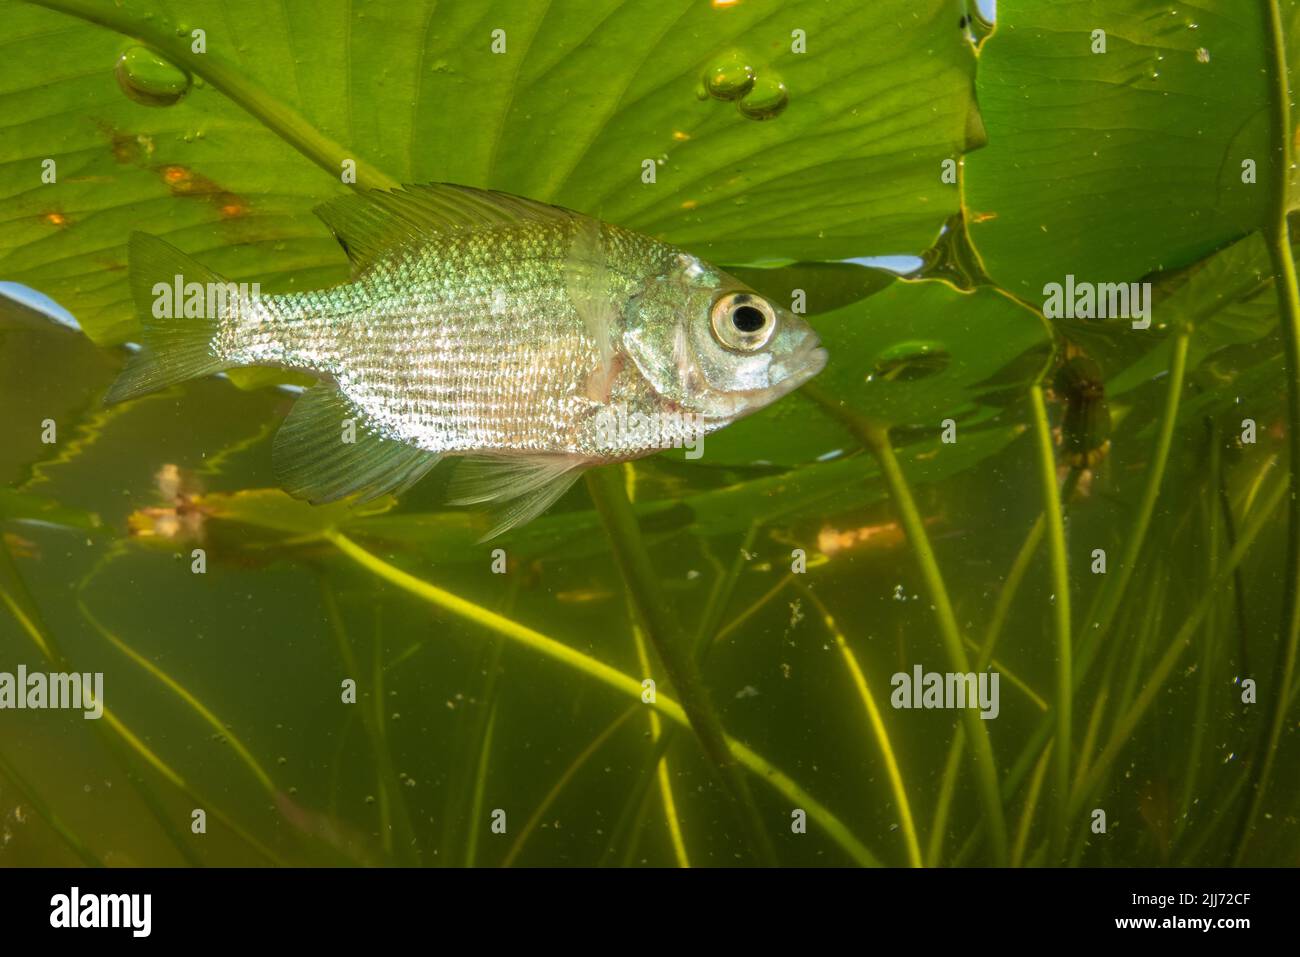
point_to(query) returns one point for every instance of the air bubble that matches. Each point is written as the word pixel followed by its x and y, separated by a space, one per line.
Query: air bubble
pixel 767 99
pixel 149 79
pixel 730 78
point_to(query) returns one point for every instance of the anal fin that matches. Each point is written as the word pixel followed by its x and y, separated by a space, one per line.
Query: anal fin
pixel 314 462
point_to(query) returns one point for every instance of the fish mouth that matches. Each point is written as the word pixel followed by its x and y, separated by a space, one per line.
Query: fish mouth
pixel 790 373
pixel 797 368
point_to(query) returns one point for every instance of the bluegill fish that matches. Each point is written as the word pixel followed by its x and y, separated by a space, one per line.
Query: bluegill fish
pixel 530 341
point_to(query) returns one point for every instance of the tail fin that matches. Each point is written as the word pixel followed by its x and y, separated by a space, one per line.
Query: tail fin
pixel 176 347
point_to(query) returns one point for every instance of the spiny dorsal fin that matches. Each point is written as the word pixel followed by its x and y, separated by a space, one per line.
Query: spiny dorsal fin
pixel 370 223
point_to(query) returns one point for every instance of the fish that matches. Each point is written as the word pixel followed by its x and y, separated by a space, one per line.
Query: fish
pixel 528 342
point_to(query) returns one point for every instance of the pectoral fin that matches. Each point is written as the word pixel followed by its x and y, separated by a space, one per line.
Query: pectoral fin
pixel 586 279
pixel 314 459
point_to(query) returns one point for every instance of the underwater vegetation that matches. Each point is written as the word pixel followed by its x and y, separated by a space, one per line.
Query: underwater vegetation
pixel 1014 580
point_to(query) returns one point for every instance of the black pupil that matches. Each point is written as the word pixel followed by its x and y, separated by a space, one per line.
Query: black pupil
pixel 748 319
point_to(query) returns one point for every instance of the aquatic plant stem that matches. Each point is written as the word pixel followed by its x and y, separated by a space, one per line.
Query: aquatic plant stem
pixel 1031 805
pixel 1091 638
pixel 481 766
pixel 1001 611
pixel 1278 236
pixel 197 706
pixel 611 677
pixel 874 719
pixel 118 737
pixel 372 726
pixel 664 775
pixel 610 498
pixel 76 844
pixel 876 438
pixel 1102 616
pixel 160 33
pixel 1061 614
pixel 1125 724
pixel 563 781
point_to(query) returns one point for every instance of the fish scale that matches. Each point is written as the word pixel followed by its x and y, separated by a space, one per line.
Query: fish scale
pixel 464 344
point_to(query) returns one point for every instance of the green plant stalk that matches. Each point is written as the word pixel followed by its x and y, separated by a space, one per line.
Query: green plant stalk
pixel 719 597
pixel 877 724
pixel 625 830
pixel 336 762
pixel 197 706
pixel 1258 519
pixel 1149 625
pixel 1031 807
pixel 943 805
pixel 1278 237
pixel 1091 639
pixel 750 611
pixel 1010 588
pixel 1182 639
pixel 876 439
pixel 1093 729
pixel 24 609
pixel 1213 501
pixel 665 777
pixel 610 498
pixel 393 802
pixel 1191 851
pixel 480 787
pixel 563 782
pixel 1102 616
pixel 286 122
pixel 1011 677
pixel 50 816
pixel 1061 615
pixel 387 801
pixel 1001 610
pixel 611 677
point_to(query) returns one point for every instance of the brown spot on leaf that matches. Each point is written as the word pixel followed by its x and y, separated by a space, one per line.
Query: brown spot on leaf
pixel 127 148
pixel 185 182
pixel 55 218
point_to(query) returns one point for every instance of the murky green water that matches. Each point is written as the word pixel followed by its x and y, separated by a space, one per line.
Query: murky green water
pixel 456 723
pixel 293 685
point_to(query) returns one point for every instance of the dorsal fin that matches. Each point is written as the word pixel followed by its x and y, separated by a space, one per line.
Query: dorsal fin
pixel 369 223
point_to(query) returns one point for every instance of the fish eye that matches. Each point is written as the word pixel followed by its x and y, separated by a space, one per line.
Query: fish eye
pixel 743 321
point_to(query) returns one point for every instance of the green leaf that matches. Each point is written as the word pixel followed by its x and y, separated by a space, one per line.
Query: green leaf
pixel 826 286
pixel 568 113
pixel 842 486
pixel 274 510
pixel 1227 299
pixel 1109 166
pixel 16 506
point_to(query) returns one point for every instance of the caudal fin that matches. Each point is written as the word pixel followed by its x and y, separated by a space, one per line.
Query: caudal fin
pixel 176 346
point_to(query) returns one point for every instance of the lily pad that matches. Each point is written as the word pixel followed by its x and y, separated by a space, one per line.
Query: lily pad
pixel 1111 165
pixel 16 506
pixel 225 151
pixel 1227 299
